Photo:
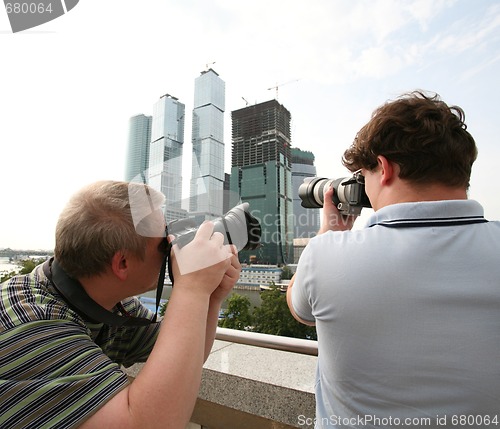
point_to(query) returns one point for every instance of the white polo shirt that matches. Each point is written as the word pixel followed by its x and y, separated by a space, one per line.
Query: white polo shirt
pixel 408 317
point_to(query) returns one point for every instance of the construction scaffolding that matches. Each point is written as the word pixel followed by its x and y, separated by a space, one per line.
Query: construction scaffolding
pixel 260 133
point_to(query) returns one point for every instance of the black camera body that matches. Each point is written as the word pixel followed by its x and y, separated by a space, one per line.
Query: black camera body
pixel 349 196
pixel 237 226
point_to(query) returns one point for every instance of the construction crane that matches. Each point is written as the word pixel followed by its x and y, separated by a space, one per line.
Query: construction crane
pixel 281 84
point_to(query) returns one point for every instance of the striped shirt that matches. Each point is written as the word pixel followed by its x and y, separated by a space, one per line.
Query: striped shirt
pixel 56 369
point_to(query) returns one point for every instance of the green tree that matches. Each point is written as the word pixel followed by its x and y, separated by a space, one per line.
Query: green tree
pixel 7 276
pixel 286 273
pixel 28 264
pixel 274 317
pixel 163 308
pixel 237 314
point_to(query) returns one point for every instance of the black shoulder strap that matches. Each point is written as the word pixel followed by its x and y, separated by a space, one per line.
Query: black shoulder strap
pixel 77 298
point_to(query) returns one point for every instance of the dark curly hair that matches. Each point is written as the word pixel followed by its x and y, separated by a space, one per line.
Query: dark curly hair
pixel 424 136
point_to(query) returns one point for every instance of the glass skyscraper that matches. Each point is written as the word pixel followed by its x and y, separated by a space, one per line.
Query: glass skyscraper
pixel 306 221
pixel 139 139
pixel 207 174
pixel 261 175
pixel 165 156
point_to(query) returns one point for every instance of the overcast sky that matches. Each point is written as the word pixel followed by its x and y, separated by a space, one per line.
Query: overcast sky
pixel 69 87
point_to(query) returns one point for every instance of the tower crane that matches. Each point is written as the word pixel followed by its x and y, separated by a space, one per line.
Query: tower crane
pixel 281 84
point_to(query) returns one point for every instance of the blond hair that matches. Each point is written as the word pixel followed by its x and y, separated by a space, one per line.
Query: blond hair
pixel 97 222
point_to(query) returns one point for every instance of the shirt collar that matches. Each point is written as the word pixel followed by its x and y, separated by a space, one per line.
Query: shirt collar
pixel 444 212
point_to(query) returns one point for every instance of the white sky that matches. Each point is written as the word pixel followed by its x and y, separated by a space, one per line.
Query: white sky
pixel 69 87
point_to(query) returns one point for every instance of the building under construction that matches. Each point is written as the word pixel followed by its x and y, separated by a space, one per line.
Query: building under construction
pixel 261 175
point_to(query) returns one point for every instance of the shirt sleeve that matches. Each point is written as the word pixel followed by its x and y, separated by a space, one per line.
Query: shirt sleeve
pixel 301 297
pixel 141 339
pixel 53 375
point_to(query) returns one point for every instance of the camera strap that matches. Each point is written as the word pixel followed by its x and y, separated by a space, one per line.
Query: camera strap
pixel 161 281
pixel 77 298
pixel 226 228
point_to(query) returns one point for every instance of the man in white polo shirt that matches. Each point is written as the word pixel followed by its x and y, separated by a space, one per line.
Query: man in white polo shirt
pixel 407 309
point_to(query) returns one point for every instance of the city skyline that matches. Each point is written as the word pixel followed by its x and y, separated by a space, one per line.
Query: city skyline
pixel 331 64
pixel 255 141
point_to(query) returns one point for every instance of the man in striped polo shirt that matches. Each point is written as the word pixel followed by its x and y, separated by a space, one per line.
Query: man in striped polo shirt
pixel 67 327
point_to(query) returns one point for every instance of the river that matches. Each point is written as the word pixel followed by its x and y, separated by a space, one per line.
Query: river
pixel 6 266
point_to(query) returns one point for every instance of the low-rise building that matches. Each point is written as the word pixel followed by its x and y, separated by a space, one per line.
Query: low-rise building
pixel 254 275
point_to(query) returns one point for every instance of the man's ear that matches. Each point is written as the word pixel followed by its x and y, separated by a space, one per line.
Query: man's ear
pixel 120 265
pixel 387 170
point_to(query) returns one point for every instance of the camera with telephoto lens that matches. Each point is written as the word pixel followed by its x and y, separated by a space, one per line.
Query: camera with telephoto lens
pixel 349 196
pixel 237 226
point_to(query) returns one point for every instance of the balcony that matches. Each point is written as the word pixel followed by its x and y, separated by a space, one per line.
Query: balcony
pixel 255 381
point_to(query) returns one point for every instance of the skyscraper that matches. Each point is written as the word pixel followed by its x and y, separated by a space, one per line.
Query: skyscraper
pixel 139 138
pixel 261 175
pixel 306 221
pixel 165 156
pixel 207 176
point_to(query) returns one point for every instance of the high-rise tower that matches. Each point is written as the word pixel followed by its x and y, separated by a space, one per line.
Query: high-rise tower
pixel 139 138
pixel 306 221
pixel 261 174
pixel 165 157
pixel 207 176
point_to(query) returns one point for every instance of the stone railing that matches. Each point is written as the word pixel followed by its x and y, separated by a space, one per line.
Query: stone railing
pixel 255 381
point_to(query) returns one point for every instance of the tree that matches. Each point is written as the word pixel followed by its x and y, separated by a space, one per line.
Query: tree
pixel 286 273
pixel 274 317
pixel 7 276
pixel 163 308
pixel 237 314
pixel 27 266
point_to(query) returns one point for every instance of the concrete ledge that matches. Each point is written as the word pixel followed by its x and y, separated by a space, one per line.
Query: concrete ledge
pixel 207 415
pixel 246 386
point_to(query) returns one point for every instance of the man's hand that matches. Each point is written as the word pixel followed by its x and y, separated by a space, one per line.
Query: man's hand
pixel 230 278
pixel 203 262
pixel 332 219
